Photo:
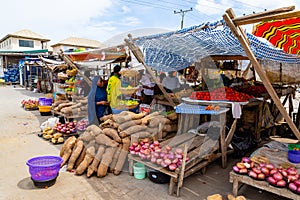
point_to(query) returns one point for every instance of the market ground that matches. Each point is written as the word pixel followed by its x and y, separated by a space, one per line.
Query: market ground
pixel 19 142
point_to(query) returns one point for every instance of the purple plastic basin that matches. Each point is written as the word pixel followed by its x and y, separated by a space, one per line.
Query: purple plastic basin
pixel 45 101
pixel 44 168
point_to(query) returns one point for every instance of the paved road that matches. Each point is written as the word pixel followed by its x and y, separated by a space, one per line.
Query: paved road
pixel 19 142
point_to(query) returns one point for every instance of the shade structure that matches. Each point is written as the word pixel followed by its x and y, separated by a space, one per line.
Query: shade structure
pixel 284 34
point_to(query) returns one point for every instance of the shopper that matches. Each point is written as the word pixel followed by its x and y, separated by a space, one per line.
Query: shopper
pixel 113 87
pixel 97 100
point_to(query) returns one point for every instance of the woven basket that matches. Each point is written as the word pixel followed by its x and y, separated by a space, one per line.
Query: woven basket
pixel 128 91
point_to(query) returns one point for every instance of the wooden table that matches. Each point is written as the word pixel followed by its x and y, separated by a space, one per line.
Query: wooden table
pixel 189 118
pixel 263 185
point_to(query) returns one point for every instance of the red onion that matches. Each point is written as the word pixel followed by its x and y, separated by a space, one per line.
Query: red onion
pixel 147 151
pixel 270 166
pixel 236 169
pixel 151 146
pixel 246 160
pixel 156 143
pixel 240 165
pixel 168 148
pixel 252 174
pixel 179 156
pixel 148 157
pixel 131 148
pixel 265 170
pixel 172 167
pixel 158 150
pixel 292 171
pixel 297 182
pixel 243 171
pixel 179 151
pixel 143 156
pixel 272 180
pixel 167 161
pixel 278 176
pixel 293 186
pixel 135 144
pixel 132 152
pixel 261 176
pixel 137 149
pixel 156 155
pixel 298 190
pixel 175 161
pixel 284 172
pixel 256 170
pixel 158 161
pixel 281 183
pixel 142 143
pixel 163 164
pixel 162 155
pixel 252 164
pixel 291 178
pixel 171 155
pixel 153 159
pixel 273 171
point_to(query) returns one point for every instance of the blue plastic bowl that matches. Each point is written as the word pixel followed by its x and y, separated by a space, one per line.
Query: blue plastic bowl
pixel 294 156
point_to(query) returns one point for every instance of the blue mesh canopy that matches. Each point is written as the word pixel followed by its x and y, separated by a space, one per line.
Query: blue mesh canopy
pixel 179 49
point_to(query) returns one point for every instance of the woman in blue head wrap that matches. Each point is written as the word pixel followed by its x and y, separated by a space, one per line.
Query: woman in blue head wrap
pixel 97 100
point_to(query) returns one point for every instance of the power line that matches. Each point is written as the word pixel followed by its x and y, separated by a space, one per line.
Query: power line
pixel 182 13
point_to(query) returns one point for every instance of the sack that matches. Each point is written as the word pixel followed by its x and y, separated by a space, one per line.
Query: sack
pixel 107 110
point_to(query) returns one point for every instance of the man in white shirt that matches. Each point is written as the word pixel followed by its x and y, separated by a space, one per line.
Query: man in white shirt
pixel 171 82
pixel 146 89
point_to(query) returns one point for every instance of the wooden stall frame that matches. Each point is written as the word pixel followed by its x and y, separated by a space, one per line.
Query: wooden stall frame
pixel 234 25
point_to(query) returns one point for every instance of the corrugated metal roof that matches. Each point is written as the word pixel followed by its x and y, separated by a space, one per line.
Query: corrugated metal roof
pixel 25 33
pixel 79 42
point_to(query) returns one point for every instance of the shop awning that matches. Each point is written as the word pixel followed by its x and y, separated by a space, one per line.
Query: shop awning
pixel 284 34
pixel 179 49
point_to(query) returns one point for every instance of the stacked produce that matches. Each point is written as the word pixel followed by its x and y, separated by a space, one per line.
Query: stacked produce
pixel 78 106
pixel 66 128
pixel 82 124
pixel 221 94
pixel 259 168
pixel 30 104
pixel 166 156
pixel 102 149
pixel 50 134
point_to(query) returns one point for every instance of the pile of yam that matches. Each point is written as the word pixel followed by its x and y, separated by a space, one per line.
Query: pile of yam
pixel 75 107
pixel 104 148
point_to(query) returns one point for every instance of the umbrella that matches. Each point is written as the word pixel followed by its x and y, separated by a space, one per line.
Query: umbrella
pixel 284 34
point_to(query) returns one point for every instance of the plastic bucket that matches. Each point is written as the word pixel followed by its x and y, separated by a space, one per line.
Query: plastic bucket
pixel 139 170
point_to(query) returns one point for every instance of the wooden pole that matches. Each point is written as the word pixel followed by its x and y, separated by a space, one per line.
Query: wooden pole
pixel 262 74
pixel 69 62
pixel 139 56
pixel 253 20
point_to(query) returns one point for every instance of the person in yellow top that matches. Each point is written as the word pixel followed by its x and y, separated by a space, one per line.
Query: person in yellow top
pixel 113 87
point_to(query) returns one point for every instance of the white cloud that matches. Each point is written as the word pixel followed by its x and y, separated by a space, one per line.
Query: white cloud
pixel 125 9
pixel 130 21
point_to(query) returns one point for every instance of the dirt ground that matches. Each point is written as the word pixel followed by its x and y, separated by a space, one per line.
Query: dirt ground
pixel 19 142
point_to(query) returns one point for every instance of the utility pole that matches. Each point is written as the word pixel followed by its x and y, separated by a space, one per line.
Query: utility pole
pixel 182 12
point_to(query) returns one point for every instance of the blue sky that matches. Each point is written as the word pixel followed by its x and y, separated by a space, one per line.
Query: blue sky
pixel 103 19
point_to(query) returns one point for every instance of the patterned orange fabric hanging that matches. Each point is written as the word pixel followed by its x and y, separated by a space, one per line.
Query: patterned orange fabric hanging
pixel 284 34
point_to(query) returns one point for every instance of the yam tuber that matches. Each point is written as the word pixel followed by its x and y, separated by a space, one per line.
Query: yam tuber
pixel 95 130
pixel 122 156
pixel 75 154
pixel 89 156
pixel 115 158
pixel 80 158
pixel 70 143
pixel 131 130
pixel 62 150
pixel 159 119
pixel 141 134
pixel 109 124
pixel 87 136
pixel 146 119
pixel 112 133
pixel 128 117
pixel 94 166
pixel 105 161
pixel 172 116
pixel 125 125
pixel 106 117
pixel 103 139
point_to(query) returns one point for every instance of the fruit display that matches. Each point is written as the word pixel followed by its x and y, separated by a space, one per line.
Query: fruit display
pixel 129 102
pixel 30 104
pixel 276 176
pixel 221 94
pixel 166 156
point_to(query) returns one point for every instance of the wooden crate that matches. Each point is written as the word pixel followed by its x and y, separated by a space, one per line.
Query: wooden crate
pixel 192 145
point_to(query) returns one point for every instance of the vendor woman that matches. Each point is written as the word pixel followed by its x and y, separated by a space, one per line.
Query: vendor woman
pixel 97 100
